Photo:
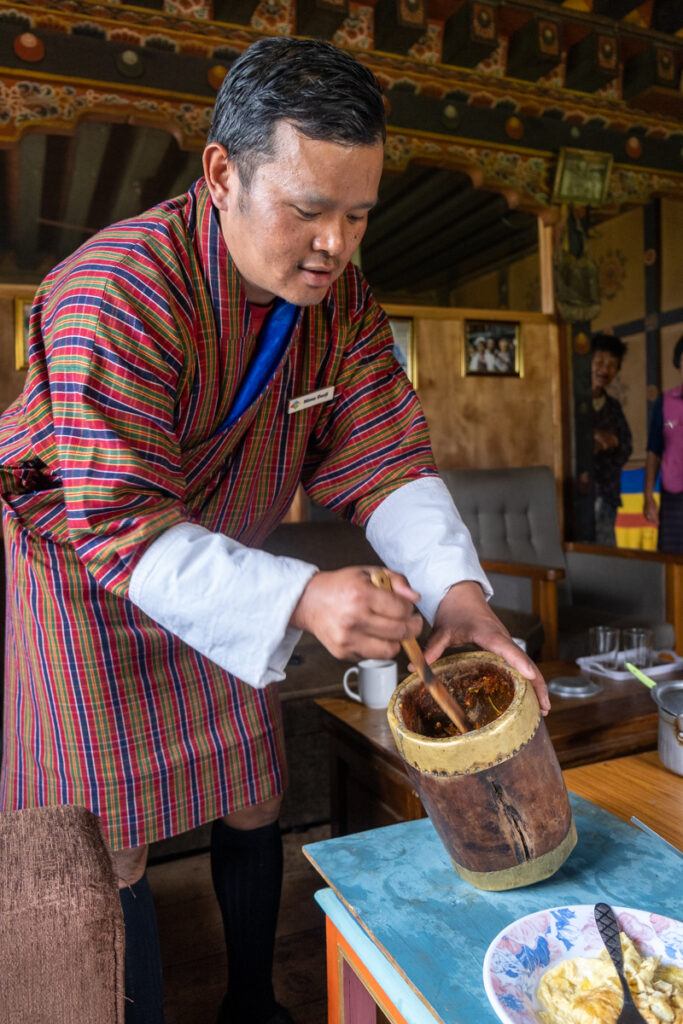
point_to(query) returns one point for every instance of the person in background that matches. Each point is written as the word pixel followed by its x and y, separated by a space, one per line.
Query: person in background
pixel 611 435
pixel 477 363
pixel 665 450
pixel 504 356
pixel 490 355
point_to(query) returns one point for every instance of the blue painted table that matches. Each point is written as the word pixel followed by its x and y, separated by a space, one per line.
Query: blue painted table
pixel 433 928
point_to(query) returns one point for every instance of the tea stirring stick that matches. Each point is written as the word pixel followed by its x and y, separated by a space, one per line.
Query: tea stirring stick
pixel 640 676
pixel 436 688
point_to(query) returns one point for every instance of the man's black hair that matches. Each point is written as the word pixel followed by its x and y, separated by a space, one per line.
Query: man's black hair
pixel 322 91
pixel 609 343
pixel 678 352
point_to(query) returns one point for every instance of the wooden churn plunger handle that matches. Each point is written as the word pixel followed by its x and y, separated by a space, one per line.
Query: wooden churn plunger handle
pixel 436 688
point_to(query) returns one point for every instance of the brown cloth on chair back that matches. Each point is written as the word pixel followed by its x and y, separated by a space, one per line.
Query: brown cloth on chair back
pixel 61 925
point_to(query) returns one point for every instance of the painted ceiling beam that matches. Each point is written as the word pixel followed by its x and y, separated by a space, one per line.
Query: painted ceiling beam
pixel 593 62
pixel 651 80
pixel 140 163
pixel 479 118
pixel 320 18
pixel 399 24
pixel 492 248
pixel 410 237
pixel 535 49
pixel 615 8
pixel 414 204
pixel 86 157
pixel 239 12
pixel 32 152
pixel 514 247
pixel 470 34
pixel 432 252
pixel 667 16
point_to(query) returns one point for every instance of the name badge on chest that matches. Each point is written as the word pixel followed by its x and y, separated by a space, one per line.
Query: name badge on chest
pixel 312 398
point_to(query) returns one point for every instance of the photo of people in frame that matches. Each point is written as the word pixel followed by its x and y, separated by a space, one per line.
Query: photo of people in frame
pixel 492 348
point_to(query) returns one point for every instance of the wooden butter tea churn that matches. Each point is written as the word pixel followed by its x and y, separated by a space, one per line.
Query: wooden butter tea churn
pixel 495 794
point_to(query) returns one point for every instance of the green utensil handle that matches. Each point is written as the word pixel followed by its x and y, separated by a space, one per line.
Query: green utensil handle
pixel 640 675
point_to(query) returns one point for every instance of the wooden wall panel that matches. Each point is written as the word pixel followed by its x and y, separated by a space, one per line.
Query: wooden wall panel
pixel 672 252
pixel 669 337
pixel 489 422
pixel 617 248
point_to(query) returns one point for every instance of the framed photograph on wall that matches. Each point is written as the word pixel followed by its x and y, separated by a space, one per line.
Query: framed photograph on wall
pixel 404 346
pixel 22 311
pixel 493 348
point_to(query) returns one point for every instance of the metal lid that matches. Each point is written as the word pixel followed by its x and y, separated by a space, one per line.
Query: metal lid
pixel 669 696
pixel 573 686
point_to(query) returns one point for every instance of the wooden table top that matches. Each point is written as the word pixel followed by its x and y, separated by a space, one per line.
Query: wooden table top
pixel 637 785
pixel 621 718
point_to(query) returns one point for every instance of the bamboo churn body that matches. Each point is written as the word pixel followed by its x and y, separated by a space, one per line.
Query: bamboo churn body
pixel 495 795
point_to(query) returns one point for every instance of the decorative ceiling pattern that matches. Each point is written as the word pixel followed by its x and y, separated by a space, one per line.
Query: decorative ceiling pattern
pixel 104 108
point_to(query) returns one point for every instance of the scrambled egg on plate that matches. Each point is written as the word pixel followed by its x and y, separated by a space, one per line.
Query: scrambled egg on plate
pixel 586 990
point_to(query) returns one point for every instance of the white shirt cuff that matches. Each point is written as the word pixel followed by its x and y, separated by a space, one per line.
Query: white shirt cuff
pixel 230 602
pixel 418 531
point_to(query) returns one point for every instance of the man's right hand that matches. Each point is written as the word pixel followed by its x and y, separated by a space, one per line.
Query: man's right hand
pixel 352 618
pixel 651 510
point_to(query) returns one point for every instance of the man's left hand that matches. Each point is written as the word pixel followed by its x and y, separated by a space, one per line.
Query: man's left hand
pixel 464 617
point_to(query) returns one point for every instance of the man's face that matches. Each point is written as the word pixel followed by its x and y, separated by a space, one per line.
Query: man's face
pixel 292 232
pixel 604 368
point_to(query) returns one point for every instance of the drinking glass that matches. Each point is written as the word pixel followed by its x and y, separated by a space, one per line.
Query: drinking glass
pixel 604 643
pixel 637 646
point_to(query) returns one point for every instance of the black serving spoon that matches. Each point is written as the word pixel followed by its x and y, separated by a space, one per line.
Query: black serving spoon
pixel 609 933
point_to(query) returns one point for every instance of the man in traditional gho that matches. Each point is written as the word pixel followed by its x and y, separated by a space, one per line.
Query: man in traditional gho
pixel 187 369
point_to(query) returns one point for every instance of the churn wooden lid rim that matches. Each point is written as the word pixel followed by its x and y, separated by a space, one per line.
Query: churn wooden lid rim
pixel 476 750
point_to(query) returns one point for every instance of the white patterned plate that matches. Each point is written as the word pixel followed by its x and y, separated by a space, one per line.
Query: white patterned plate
pixel 523 951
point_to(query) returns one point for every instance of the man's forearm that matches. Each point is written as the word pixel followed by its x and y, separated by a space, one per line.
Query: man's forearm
pixel 230 602
pixel 652 462
pixel 418 532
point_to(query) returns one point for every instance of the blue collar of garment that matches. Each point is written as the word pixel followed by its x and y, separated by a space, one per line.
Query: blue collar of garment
pixel 271 345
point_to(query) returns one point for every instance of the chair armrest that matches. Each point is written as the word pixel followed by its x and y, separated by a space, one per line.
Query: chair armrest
pixel 673 569
pixel 532 572
pixel 604 550
pixel 544 579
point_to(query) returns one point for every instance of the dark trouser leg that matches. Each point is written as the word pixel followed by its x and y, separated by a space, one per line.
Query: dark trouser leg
pixel 144 987
pixel 246 867
pixel 605 519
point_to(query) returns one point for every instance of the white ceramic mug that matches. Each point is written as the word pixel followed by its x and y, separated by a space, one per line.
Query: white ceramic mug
pixel 376 681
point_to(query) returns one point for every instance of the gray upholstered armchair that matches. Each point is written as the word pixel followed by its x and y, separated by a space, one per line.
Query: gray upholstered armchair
pixel 512 515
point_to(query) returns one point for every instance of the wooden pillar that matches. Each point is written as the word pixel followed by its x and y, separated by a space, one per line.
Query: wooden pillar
pixel 545 259
pixel 653 270
pixel 584 495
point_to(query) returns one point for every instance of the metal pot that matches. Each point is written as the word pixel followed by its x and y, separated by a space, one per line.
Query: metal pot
pixel 669 699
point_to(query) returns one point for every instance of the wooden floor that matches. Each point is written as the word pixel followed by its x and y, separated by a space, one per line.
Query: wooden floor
pixel 192 943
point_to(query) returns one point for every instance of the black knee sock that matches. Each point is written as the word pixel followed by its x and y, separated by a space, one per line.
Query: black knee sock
pixel 246 867
pixel 144 989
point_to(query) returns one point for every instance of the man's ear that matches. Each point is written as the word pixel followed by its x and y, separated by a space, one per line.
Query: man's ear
pixel 219 172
